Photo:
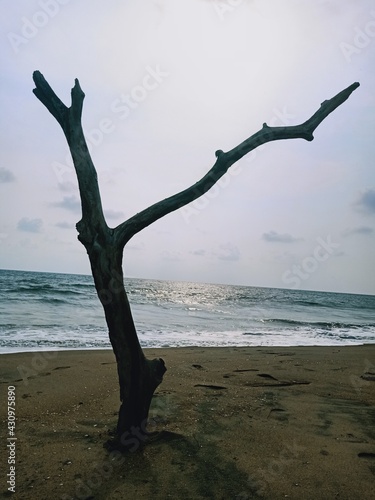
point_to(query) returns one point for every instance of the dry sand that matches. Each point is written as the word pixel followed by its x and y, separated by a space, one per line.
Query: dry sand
pixel 236 423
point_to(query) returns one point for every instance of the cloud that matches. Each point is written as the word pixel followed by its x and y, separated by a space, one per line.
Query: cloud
pixel 137 247
pixel 273 236
pixel 6 175
pixel 67 186
pixel 64 225
pixel 228 252
pixel 30 225
pixel 171 255
pixel 71 203
pixel 366 230
pixel 339 253
pixel 200 252
pixel 113 214
pixel 366 201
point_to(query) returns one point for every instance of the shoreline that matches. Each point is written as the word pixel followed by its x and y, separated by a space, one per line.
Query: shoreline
pixel 234 422
pixel 106 349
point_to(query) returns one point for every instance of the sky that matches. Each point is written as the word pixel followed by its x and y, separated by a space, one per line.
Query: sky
pixel 167 83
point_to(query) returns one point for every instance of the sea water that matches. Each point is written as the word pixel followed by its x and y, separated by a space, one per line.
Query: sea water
pixel 62 311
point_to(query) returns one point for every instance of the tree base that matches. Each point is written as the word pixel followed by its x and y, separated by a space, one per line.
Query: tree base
pixel 154 437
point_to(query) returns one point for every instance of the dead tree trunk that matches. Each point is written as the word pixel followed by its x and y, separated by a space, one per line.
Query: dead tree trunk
pixel 138 376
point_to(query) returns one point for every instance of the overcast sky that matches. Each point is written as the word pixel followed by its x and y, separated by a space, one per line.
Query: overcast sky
pixel 167 83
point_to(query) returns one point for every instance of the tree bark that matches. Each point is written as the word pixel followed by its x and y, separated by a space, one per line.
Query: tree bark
pixel 139 377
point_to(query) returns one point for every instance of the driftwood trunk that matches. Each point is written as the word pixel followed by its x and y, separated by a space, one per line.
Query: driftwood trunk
pixel 138 376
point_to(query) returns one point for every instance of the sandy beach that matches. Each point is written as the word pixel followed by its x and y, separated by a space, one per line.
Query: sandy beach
pixel 235 423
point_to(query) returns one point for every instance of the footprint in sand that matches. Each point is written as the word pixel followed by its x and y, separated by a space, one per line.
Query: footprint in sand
pixel 274 382
pixel 265 375
pixel 278 414
pixel 215 387
pixel 365 454
pixel 246 370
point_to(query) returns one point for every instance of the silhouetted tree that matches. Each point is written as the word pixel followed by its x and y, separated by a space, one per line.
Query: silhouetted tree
pixel 138 376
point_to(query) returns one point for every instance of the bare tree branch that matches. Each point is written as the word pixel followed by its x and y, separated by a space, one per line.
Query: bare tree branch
pixel 47 96
pixel 125 231
pixel 93 224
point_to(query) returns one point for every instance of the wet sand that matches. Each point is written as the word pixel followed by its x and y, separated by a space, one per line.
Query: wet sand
pixel 234 423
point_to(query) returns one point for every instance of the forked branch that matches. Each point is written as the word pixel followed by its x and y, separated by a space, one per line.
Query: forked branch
pixel 129 228
pixel 93 223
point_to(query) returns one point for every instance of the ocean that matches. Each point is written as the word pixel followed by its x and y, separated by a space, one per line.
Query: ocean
pixel 40 311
